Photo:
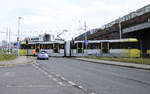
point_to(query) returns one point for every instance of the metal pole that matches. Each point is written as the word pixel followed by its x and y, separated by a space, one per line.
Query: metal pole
pixel 7 40
pixel 85 32
pixel 120 28
pixel 85 37
pixel 10 41
pixel 19 18
pixel 8 32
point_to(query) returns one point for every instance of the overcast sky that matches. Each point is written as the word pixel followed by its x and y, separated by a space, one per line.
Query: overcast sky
pixel 54 16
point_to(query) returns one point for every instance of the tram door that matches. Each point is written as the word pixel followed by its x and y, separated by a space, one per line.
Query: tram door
pixel 80 47
pixel 56 47
pixel 105 47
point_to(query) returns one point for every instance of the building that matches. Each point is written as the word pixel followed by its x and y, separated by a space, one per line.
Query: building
pixel 111 30
pixel 44 38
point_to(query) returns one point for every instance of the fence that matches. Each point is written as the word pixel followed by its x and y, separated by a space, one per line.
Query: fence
pixel 142 58
pixel 8 51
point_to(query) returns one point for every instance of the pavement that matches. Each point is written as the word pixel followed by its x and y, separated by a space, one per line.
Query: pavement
pixel 123 64
pixel 18 61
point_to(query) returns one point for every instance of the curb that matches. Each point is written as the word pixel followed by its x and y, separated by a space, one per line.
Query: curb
pixel 114 64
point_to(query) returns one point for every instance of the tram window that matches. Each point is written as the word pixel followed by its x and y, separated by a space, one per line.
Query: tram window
pixel 115 45
pixel 31 46
pixel 123 45
pixel 41 46
pixel 46 46
pixel 93 46
pixel 128 45
pixel 80 45
pixel 49 46
pixel 56 45
pixel 97 45
pixel 61 46
pixel 73 46
pixel 89 46
pixel 37 46
pixel 23 46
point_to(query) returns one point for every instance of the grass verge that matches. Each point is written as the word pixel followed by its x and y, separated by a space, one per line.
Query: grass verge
pixel 127 60
pixel 5 57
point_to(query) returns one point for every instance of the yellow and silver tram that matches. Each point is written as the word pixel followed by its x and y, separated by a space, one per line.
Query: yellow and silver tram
pixel 124 48
pixel 52 48
pixel 114 48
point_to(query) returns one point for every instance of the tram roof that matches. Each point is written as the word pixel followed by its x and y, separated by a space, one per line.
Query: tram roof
pixel 115 40
pixel 125 40
pixel 61 42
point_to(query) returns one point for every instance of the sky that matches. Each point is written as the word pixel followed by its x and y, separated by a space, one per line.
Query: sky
pixel 54 16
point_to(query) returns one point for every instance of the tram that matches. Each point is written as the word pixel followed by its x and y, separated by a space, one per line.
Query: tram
pixel 52 48
pixel 114 48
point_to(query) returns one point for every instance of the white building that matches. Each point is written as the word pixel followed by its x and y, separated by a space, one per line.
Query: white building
pixel 44 37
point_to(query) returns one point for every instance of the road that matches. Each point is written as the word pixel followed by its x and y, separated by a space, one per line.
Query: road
pixel 70 76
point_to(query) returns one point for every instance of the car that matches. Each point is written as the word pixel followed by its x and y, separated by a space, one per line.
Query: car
pixel 42 55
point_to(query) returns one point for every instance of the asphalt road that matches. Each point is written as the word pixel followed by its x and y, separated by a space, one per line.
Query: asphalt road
pixel 70 76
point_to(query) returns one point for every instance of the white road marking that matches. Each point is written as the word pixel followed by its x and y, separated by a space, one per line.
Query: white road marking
pixel 49 76
pixel 53 72
pixel 23 86
pixel 60 83
pixel 45 73
pixel 56 79
pixel 63 78
pixel 70 82
pixel 93 93
pixel 37 64
pixel 57 75
pixel 80 87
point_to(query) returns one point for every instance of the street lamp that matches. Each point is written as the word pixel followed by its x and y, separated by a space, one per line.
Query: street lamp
pixel 120 28
pixel 19 18
pixel 86 39
pixel 85 31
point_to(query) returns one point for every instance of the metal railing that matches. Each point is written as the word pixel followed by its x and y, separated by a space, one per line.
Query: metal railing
pixel 8 51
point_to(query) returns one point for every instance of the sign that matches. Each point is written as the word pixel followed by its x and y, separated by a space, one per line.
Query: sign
pixel 17 44
pixel 86 42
